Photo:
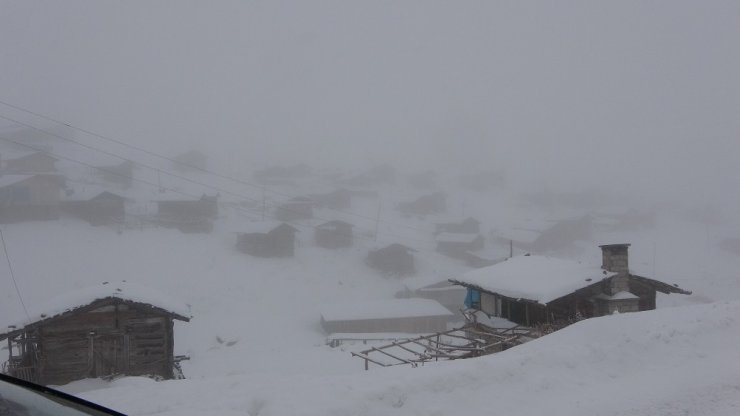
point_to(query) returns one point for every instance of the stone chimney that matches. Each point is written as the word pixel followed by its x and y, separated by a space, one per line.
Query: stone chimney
pixel 614 258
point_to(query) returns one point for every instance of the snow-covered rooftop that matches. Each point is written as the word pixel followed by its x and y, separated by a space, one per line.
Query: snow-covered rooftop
pixel 537 278
pixel 82 297
pixel 263 227
pixel 384 309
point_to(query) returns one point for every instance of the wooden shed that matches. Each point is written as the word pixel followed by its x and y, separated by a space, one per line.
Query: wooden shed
pixel 30 197
pixel 385 316
pixel 333 234
pixel 109 330
pixel 267 239
pixel 534 290
pixel 102 209
pixel 189 216
pixel 395 259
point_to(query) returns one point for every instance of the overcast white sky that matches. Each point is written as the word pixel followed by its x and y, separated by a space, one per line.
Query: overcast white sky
pixel 556 92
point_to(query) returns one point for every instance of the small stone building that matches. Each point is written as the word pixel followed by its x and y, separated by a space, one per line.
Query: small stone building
pixel 30 197
pixel 189 216
pixel 385 316
pixel 103 331
pixel 333 234
pixel 267 239
pixel 532 290
pixel 395 260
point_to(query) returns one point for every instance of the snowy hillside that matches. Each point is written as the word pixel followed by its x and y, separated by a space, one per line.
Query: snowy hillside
pixel 663 362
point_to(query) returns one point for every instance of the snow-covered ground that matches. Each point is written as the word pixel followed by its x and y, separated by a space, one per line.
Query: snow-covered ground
pixel 256 345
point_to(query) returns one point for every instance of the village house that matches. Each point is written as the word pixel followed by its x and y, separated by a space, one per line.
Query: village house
pixel 267 239
pixel 395 259
pixel 189 216
pixel 104 208
pixel 424 205
pixel 533 290
pixel 457 243
pixel 103 331
pixel 38 162
pixel 467 226
pixel 298 208
pixel 30 197
pixel 333 234
pixel 405 316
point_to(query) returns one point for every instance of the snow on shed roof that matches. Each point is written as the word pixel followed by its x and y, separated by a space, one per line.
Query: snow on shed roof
pixel 123 290
pixel 538 278
pixel 384 309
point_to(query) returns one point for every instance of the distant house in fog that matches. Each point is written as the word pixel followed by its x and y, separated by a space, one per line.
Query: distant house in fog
pixel 102 209
pixel 298 208
pixel 32 163
pixel 459 242
pixel 189 216
pixel 468 225
pixel 267 239
pixel 121 174
pixel 333 234
pixel 337 199
pixel 395 259
pixel 428 204
pixel 190 160
pixel 30 197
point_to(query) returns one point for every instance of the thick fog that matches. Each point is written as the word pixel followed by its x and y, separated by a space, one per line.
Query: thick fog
pixel 641 96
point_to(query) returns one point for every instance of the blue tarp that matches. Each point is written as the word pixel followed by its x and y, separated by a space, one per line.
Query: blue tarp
pixel 472 298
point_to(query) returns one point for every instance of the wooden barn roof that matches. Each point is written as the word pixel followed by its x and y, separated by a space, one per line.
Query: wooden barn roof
pixel 94 297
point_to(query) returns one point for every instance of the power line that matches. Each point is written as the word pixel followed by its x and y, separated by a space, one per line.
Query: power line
pixel 174 175
pixel 12 276
pixel 177 162
pixel 172 189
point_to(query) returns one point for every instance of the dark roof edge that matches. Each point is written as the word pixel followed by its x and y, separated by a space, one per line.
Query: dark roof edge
pixel 660 286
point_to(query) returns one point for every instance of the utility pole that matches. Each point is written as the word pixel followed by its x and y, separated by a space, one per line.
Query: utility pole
pixel 264 203
pixel 377 221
